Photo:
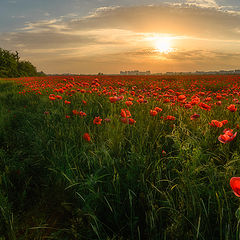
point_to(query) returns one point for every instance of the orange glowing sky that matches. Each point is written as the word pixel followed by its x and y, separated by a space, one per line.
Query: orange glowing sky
pixel 109 36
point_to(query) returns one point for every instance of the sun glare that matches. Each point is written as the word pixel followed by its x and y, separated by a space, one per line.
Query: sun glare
pixel 163 45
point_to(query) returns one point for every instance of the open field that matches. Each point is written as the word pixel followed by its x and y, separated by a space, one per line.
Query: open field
pixel 119 157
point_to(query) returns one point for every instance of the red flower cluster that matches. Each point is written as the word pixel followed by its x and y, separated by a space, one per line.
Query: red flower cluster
pixel 128 121
pixel 216 123
pixel 81 113
pixel 125 113
pixel 115 99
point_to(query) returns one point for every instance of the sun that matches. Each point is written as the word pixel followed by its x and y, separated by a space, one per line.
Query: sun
pixel 163 45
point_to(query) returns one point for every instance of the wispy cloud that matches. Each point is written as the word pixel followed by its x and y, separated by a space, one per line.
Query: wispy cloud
pixel 203 3
pixel 21 16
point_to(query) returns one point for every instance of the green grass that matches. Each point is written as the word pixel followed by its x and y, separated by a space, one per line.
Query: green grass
pixel 54 185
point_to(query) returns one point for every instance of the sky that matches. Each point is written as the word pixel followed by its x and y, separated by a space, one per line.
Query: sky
pixel 91 36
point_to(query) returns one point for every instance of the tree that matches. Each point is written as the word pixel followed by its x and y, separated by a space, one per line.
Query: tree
pixel 26 68
pixel 8 64
pixel 11 66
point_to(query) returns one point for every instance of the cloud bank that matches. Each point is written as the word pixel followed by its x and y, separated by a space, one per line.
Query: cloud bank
pixel 110 36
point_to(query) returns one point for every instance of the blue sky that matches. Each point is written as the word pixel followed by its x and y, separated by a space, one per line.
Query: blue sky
pixel 14 13
pixel 108 36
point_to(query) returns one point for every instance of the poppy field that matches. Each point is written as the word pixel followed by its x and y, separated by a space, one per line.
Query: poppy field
pixel 120 157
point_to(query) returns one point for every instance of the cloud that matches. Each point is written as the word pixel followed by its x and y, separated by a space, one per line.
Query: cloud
pixel 203 55
pixel 203 3
pixel 173 19
pixel 112 37
pixel 177 20
pixel 144 59
pixel 46 40
pixel 18 16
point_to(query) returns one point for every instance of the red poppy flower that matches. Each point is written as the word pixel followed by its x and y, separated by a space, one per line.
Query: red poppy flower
pixel 131 121
pixel 127 120
pixel 67 102
pixel 82 114
pixel 188 106
pixel 166 100
pixel 207 99
pixel 113 99
pixel 129 103
pixel 232 108
pixel 97 121
pixel 120 97
pixel 224 122
pixel 228 136
pixel 153 112
pixel 86 137
pixel 140 100
pixel 171 118
pixel 52 97
pixel 75 112
pixel 194 116
pixel 158 109
pixel 204 106
pixel 235 185
pixel 216 123
pixel 181 98
pixel 228 131
pixel 125 113
pixel 195 100
pixel 124 120
pixel 58 97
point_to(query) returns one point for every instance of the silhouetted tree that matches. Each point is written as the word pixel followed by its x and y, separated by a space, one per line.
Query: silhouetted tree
pixel 25 67
pixel 11 66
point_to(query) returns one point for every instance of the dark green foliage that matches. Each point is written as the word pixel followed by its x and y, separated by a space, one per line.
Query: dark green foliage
pixel 11 66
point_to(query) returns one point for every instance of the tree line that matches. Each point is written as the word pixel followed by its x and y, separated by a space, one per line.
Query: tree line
pixel 11 66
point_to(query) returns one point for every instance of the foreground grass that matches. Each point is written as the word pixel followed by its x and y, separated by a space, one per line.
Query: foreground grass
pixel 54 185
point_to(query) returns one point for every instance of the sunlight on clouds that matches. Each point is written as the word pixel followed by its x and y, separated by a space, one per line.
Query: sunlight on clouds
pixel 163 45
pixel 203 3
